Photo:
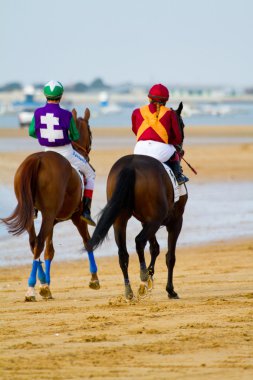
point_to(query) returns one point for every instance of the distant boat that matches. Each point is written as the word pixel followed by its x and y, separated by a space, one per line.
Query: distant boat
pixel 189 110
pixel 105 107
pixel 217 110
pixel 28 102
pixel 25 117
pixel 27 107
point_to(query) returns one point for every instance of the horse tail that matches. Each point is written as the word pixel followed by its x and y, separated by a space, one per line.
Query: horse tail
pixel 25 187
pixel 122 199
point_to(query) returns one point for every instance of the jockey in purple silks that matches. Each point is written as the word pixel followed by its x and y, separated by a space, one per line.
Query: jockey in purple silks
pixel 55 128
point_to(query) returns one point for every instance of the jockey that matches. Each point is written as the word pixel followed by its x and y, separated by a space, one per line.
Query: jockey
pixel 158 131
pixel 59 139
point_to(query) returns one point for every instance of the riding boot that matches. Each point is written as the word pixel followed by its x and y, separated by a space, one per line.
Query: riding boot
pixel 178 171
pixel 86 212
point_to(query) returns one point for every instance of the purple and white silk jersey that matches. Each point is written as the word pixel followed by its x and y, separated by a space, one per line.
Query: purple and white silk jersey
pixel 52 125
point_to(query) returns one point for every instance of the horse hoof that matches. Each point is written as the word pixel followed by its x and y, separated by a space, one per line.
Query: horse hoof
pixel 144 275
pixel 173 295
pixel 94 284
pixel 143 291
pixel 150 283
pixel 45 292
pixel 30 299
pixel 129 293
pixel 130 297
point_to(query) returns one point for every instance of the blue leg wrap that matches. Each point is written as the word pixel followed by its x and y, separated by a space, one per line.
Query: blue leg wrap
pixel 47 268
pixel 33 274
pixel 93 266
pixel 41 273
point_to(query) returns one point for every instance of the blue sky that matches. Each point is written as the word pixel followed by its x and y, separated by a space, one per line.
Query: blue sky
pixel 190 42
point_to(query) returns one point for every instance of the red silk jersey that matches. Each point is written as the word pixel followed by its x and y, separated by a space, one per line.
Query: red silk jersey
pixel 164 128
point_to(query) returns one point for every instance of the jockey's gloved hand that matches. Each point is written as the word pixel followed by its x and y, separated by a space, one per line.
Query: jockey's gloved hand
pixel 181 153
pixel 180 150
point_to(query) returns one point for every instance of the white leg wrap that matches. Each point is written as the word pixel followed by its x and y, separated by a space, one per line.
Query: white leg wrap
pixel 30 292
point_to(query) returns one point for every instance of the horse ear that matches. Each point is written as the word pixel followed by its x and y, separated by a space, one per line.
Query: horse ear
pixel 87 114
pixel 180 108
pixel 74 113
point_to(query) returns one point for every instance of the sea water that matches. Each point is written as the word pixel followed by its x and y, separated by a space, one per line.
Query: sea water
pixel 214 212
pixel 238 114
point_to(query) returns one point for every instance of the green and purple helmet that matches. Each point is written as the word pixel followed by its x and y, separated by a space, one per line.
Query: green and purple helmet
pixel 53 90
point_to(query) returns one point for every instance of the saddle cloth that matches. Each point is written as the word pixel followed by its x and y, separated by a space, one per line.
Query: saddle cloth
pixel 179 190
pixel 82 180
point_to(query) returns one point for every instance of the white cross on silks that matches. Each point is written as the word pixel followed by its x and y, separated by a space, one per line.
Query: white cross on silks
pixel 50 133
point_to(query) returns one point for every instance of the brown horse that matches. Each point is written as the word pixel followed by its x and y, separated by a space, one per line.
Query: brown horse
pixel 139 186
pixel 47 182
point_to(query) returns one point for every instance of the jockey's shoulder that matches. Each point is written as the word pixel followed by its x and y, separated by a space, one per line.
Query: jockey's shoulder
pixel 66 111
pixel 39 109
pixel 152 108
pixel 53 106
pixel 136 110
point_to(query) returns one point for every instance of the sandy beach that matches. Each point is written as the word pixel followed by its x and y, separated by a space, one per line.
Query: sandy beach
pixel 82 333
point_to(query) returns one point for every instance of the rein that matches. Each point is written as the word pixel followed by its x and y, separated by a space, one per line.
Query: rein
pixel 85 151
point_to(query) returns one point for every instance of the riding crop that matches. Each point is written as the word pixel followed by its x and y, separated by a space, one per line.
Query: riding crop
pixel 187 163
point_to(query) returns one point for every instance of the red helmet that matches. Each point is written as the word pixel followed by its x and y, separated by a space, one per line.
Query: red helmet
pixel 159 92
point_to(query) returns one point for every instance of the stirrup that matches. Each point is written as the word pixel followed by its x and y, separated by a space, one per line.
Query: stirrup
pixel 182 179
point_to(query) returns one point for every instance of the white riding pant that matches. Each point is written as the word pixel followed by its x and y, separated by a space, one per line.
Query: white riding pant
pixel 78 161
pixel 161 151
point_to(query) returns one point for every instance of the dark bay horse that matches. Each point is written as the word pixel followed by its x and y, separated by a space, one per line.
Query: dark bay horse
pixel 139 186
pixel 47 182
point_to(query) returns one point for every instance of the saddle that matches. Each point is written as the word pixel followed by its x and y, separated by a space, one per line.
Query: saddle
pixel 179 190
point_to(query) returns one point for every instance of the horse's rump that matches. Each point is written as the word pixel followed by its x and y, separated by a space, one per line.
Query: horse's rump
pixel 25 187
pixel 58 187
pixel 47 181
pixel 151 183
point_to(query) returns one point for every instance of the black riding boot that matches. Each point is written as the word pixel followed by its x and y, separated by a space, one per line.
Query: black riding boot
pixel 178 172
pixel 86 212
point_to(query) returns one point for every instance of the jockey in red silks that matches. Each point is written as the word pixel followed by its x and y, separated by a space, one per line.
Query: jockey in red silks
pixel 158 131
pixel 55 128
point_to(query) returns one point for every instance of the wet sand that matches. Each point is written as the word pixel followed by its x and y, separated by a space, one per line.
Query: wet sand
pixel 214 162
pixel 84 333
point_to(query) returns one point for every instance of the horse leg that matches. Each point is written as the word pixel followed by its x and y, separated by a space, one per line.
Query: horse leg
pixel 32 237
pixel 154 249
pixel 81 225
pixel 30 294
pixel 120 239
pixel 147 233
pixel 173 233
pixel 44 276
pixel 38 246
